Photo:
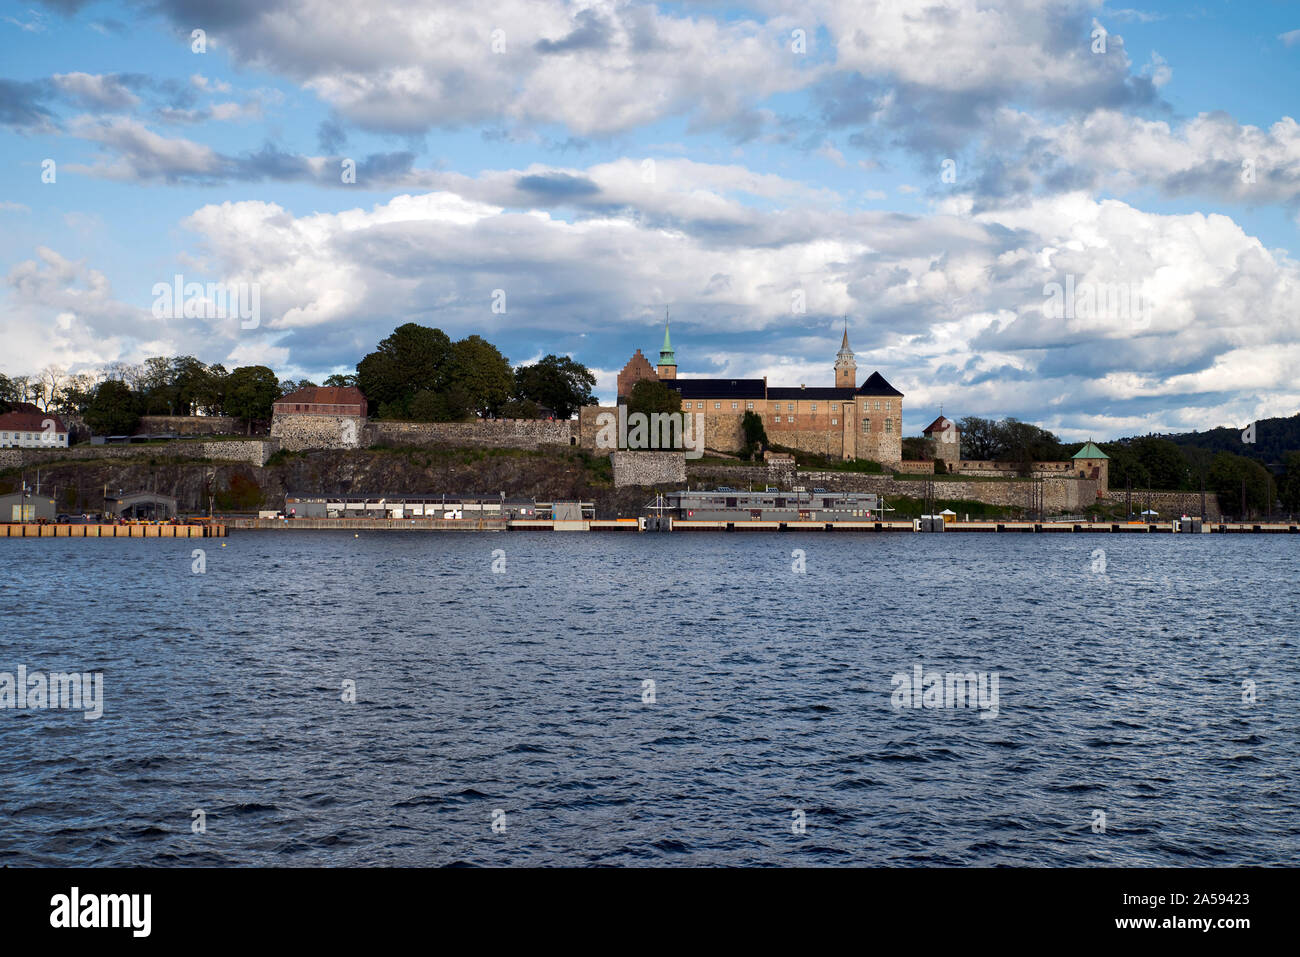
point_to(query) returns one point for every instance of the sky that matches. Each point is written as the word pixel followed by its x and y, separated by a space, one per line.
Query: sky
pixel 557 177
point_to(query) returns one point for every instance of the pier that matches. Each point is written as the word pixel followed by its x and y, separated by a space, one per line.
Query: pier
pixel 92 530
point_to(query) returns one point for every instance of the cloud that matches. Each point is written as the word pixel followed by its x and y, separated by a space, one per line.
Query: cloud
pixel 22 105
pixel 93 91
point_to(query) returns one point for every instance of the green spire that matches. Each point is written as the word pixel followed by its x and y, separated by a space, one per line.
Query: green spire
pixel 1090 451
pixel 666 357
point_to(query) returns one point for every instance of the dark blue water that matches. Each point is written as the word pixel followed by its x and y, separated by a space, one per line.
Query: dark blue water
pixel 522 693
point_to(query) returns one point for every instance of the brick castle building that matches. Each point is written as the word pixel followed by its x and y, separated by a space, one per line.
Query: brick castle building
pixel 845 420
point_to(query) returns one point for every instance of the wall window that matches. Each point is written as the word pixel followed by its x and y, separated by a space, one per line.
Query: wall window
pixel 735 405
pixel 778 418
pixel 789 407
pixel 835 406
pixel 749 405
pixel 877 405
pixel 717 405
pixel 814 407
pixel 888 404
pixel 835 421
pixel 889 425
pixel 792 420
pixel 699 405
pixel 866 426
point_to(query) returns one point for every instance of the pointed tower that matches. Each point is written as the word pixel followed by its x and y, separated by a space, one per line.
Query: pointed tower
pixel 846 367
pixel 667 361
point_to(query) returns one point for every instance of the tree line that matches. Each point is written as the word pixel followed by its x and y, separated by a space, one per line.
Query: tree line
pixel 415 373
pixel 1222 463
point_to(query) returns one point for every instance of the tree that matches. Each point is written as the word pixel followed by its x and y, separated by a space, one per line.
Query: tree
pixel 1227 473
pixel 114 410
pixel 917 448
pixel 751 424
pixel 210 391
pixel 479 380
pixel 250 393
pixel 650 396
pixel 412 359
pixel 8 395
pixel 337 381
pixel 558 383
pixel 1289 487
pixel 979 438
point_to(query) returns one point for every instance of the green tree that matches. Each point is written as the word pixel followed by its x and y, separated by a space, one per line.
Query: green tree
pixel 751 425
pixel 1289 485
pixel 1228 472
pixel 114 410
pixel 650 396
pixel 412 359
pixel 979 438
pixel 250 393
pixel 1164 462
pixel 337 381
pixel 558 383
pixel 479 379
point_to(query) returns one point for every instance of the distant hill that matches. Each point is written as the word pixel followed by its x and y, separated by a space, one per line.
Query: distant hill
pixel 1273 439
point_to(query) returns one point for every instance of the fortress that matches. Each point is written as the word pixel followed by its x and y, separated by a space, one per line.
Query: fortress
pixel 847 420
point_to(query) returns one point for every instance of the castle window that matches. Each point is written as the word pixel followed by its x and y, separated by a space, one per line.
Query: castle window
pixel 749 405
pixel 789 406
pixel 889 425
pixel 888 404
pixel 866 426
pixel 717 405
pixel 699 405
pixel 835 406
pixel 792 420
pixel 814 407
pixel 778 418
pixel 735 405
pixel 877 405
pixel 835 421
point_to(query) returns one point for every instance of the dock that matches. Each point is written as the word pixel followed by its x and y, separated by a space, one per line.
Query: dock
pixel 91 530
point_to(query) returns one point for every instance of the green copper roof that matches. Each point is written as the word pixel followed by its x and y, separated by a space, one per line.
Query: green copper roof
pixel 666 357
pixel 1089 451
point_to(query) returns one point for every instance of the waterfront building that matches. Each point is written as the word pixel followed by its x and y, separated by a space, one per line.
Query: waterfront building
pixel 27 427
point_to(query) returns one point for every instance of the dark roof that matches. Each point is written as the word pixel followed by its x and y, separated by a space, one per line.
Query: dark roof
pixel 325 395
pixel 719 388
pixel 876 385
pixel 30 421
pixel 783 393
pixel 940 425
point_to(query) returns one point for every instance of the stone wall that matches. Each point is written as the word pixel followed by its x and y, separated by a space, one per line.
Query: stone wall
pixel 252 452
pixel 1059 494
pixel 648 468
pixel 1169 504
pixel 189 425
pixel 299 432
pixel 483 433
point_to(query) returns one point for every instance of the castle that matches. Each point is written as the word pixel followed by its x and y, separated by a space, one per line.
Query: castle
pixel 847 420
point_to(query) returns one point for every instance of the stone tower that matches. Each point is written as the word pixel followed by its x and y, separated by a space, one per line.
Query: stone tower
pixel 667 361
pixel 846 367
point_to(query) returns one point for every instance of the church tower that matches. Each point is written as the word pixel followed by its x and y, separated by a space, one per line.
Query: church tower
pixel 667 361
pixel 846 367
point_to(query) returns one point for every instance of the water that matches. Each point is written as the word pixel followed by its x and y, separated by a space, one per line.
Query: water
pixel 522 692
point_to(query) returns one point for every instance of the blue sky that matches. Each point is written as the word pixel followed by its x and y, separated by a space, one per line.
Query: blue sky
pixel 517 161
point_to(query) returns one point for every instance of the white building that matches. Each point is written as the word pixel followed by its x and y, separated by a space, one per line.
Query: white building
pixel 29 428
